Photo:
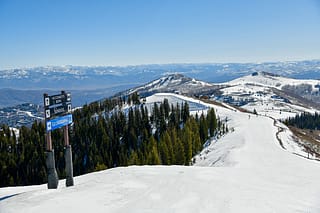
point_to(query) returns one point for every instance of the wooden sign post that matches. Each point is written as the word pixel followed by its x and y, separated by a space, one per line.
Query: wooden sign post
pixel 57 110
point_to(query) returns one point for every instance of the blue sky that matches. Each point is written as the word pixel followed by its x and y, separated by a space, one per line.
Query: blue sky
pixel 128 32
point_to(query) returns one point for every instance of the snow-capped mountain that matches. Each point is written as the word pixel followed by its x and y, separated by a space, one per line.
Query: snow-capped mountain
pixel 176 83
pixel 67 77
pixel 94 77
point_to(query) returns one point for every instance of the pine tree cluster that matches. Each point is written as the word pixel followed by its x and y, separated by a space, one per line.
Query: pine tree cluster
pixel 107 135
pixel 22 161
pixel 305 121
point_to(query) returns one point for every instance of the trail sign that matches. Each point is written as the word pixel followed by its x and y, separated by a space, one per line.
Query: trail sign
pixel 57 110
pixel 58 122
pixel 57 99
pixel 57 105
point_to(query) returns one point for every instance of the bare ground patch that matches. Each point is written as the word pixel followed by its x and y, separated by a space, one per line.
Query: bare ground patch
pixel 308 139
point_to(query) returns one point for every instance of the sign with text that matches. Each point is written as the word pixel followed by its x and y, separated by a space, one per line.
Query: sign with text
pixel 57 105
pixel 58 110
pixel 58 122
pixel 57 99
pixel 57 114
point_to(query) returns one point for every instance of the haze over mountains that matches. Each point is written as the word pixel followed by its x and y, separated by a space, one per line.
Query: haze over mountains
pixel 91 83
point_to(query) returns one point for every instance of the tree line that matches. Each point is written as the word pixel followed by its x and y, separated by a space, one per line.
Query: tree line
pixel 305 121
pixel 106 134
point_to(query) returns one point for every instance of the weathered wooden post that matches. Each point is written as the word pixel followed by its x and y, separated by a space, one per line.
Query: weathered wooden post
pixel 68 158
pixel 53 179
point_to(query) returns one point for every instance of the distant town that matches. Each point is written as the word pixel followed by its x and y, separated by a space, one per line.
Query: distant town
pixel 21 115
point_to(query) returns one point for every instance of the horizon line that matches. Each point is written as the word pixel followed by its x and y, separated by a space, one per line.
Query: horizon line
pixel 160 64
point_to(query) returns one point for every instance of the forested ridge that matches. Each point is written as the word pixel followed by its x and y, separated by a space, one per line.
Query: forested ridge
pixel 106 134
pixel 305 121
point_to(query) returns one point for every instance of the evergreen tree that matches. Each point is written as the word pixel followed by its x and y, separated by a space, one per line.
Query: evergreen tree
pixel 185 112
pixel 187 140
pixel 168 143
pixel 134 159
pixel 166 108
pixel 153 157
pixel 179 152
pixel 212 121
pixel 203 128
pixel 163 149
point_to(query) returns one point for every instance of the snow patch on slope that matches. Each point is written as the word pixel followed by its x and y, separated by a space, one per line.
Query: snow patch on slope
pixel 173 83
pixel 271 80
pixel 195 106
pixel 260 92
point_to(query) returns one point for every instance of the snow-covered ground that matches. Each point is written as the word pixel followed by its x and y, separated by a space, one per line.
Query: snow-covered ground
pixel 266 79
pixel 269 106
pixel 244 171
pixel 195 106
pixel 257 91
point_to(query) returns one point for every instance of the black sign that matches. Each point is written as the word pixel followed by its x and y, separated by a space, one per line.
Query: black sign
pixel 57 105
pixel 58 110
pixel 56 99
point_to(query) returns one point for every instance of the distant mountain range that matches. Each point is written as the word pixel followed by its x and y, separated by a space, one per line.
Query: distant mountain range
pixel 12 97
pixel 88 83
pixel 89 77
pixel 260 91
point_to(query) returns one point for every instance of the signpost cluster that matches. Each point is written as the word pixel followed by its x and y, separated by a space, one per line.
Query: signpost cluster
pixel 57 110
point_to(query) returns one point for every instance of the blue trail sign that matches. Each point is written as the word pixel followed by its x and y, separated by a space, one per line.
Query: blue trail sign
pixel 58 122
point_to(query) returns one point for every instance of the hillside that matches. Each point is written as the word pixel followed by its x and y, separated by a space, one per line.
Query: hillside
pixel 173 83
pixel 247 170
pixel 272 95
